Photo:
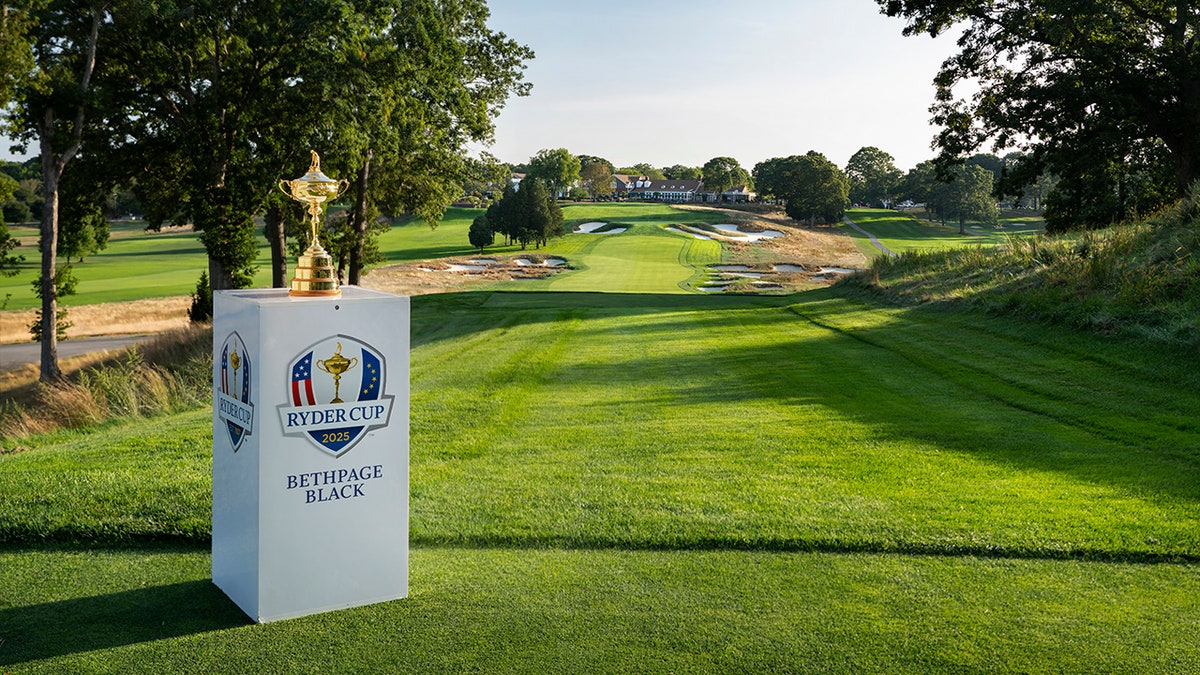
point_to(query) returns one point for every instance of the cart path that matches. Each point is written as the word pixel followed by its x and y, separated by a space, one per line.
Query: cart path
pixel 874 240
pixel 16 356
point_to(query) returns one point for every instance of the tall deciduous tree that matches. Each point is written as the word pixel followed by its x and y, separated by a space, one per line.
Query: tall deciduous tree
pixel 557 168
pixel 597 178
pixel 1068 80
pixel 723 173
pixel 681 172
pixel 814 187
pixel 50 51
pixel 221 97
pixel 416 81
pixel 643 169
pixel 873 176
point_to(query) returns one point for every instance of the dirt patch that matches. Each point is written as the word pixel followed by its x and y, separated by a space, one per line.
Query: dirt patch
pixel 814 247
pixel 153 315
pixel 445 275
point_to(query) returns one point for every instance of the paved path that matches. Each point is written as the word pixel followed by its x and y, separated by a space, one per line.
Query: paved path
pixel 19 355
pixel 874 240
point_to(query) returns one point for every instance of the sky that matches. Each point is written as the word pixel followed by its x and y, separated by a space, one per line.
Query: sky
pixel 682 81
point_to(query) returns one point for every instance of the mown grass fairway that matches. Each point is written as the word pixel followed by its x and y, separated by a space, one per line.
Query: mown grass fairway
pixel 136 264
pixel 901 232
pixel 673 482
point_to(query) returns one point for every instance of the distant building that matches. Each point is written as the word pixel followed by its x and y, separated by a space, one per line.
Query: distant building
pixel 622 184
pixel 738 195
pixel 670 191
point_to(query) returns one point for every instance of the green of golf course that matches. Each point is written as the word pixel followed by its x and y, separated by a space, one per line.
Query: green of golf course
pixel 612 474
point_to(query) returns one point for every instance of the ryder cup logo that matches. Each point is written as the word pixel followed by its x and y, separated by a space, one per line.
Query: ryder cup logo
pixel 337 367
pixel 234 408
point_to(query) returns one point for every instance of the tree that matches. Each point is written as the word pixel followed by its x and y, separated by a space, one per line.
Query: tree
pixel 597 178
pixel 643 169
pixel 558 169
pixel 218 101
pixel 422 80
pixel 723 173
pixel 681 172
pixel 503 214
pixel 480 233
pixel 584 160
pixel 873 177
pixel 969 196
pixel 8 259
pixel 539 216
pixel 1068 81
pixel 814 187
pixel 50 55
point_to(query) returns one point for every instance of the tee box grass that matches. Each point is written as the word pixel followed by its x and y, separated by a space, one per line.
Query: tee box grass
pixel 659 481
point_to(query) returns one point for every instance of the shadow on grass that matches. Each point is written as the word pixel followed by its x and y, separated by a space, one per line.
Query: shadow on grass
pixel 445 316
pixel 1028 396
pixel 114 620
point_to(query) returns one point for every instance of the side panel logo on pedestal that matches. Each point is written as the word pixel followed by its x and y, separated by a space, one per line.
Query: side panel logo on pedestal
pixel 233 391
pixel 319 377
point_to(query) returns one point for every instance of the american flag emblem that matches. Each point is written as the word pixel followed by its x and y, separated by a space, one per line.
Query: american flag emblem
pixel 336 394
pixel 232 403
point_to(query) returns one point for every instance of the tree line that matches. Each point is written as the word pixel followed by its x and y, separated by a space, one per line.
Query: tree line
pixel 200 108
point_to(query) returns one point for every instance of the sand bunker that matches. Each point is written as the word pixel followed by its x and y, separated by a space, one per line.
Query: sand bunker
pixel 748 236
pixel 548 262
pixel 590 228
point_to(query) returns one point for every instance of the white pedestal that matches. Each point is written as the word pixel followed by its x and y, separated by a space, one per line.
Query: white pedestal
pixel 310 472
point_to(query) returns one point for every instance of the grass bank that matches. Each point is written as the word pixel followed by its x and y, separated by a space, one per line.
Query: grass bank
pixel 1142 279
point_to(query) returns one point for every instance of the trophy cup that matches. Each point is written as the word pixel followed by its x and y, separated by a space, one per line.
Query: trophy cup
pixel 315 272
pixel 335 366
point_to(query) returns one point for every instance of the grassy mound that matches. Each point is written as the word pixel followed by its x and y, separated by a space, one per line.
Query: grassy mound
pixel 1142 280
pixel 171 373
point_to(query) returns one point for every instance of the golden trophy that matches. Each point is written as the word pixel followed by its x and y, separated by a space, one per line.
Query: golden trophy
pixel 335 366
pixel 315 272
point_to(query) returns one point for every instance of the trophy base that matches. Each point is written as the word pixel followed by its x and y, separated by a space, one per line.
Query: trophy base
pixel 315 275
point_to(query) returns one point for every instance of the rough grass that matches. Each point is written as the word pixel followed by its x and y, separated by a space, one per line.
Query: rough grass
pixel 169 374
pixel 1141 279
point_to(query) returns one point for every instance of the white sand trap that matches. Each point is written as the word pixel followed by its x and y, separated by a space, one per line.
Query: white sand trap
pixel 750 236
pixel 713 289
pixel 837 270
pixel 481 261
pixel 698 236
pixel 548 262
pixel 746 275
pixel 588 228
pixel 454 267
pixel 787 268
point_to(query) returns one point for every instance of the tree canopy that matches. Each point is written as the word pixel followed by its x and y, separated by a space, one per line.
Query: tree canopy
pixel 1076 84
pixel 873 176
pixel 557 168
pixel 723 173
pixel 597 178
pixel 813 187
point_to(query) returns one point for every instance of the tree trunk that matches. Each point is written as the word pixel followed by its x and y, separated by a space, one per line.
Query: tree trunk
pixel 50 175
pixel 52 170
pixel 275 237
pixel 359 224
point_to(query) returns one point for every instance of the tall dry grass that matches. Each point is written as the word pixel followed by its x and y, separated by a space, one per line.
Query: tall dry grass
pixel 1141 279
pixel 171 373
